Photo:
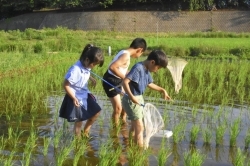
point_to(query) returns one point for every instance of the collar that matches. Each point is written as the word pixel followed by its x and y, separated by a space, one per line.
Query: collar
pixel 83 69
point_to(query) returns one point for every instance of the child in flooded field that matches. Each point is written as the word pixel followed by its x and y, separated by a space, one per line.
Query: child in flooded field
pixel 134 86
pixel 79 104
pixel 116 73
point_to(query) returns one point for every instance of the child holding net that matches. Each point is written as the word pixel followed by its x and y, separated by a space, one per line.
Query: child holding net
pixel 79 104
pixel 135 84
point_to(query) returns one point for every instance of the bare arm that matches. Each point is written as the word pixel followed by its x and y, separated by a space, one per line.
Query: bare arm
pixel 93 81
pixel 68 90
pixel 121 61
pixel 160 89
pixel 125 84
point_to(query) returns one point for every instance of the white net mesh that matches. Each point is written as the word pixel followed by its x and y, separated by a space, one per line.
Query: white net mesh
pixel 153 122
pixel 176 66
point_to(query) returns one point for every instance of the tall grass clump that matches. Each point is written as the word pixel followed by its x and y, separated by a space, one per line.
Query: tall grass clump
pixel 193 158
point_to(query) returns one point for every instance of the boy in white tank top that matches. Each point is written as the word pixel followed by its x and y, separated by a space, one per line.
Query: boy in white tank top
pixel 116 72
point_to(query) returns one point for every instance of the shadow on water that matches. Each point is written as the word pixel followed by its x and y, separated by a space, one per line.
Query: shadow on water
pixel 206 116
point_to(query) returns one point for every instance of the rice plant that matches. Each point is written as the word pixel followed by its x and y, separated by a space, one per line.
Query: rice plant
pixel 207 136
pixel 29 146
pixel 46 143
pixel 194 133
pixel 137 156
pixel 239 158
pixel 179 132
pixel 79 150
pixel 234 132
pixel 193 158
pixel 63 152
pixel 164 153
pixel 108 155
pixel 247 139
pixel 57 138
pixel 220 131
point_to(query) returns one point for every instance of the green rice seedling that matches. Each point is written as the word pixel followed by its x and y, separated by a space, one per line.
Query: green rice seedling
pixel 10 159
pixel 179 132
pixel 108 155
pixel 239 158
pixel 247 139
pixel 79 150
pixel 193 158
pixel 194 112
pixel 164 153
pixel 220 131
pixel 234 132
pixel 13 136
pixel 137 156
pixel 29 146
pixel 194 133
pixel 63 153
pixel 2 142
pixel 57 138
pixel 46 143
pixel 207 136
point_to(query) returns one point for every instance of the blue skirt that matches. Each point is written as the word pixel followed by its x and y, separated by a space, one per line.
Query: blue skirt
pixel 73 114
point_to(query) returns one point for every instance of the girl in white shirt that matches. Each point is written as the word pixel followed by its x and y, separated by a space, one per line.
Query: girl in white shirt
pixel 79 104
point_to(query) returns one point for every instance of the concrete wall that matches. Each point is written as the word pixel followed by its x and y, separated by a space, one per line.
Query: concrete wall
pixel 137 21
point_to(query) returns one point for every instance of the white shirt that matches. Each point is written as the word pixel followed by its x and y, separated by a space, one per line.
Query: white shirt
pixel 122 69
pixel 78 77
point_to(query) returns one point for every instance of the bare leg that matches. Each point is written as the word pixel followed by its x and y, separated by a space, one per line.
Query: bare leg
pixel 123 116
pixel 89 124
pixel 138 126
pixel 77 128
pixel 117 109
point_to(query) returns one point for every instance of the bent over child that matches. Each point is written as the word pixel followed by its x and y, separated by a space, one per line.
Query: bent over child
pixel 116 72
pixel 79 104
pixel 135 83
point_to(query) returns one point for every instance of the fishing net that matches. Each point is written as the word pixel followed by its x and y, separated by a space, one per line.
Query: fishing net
pixel 153 122
pixel 176 66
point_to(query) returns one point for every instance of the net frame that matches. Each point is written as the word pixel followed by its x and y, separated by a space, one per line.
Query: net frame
pixel 153 122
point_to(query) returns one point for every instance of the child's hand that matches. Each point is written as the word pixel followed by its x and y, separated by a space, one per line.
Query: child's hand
pixel 76 102
pixel 166 96
pixel 134 100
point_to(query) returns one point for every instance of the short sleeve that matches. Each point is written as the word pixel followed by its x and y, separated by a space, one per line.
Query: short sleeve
pixel 134 74
pixel 73 75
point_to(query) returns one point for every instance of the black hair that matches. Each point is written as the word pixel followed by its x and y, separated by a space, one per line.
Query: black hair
pixel 159 57
pixel 94 54
pixel 139 43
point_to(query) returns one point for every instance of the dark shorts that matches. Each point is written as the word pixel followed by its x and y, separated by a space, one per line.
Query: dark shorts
pixel 109 90
pixel 72 113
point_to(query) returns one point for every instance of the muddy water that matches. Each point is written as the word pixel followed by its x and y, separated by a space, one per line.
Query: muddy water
pixel 204 116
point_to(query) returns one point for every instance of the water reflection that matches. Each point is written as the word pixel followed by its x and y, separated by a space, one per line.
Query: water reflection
pixel 206 116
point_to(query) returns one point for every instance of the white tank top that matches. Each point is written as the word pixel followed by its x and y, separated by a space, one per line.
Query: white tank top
pixel 122 69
